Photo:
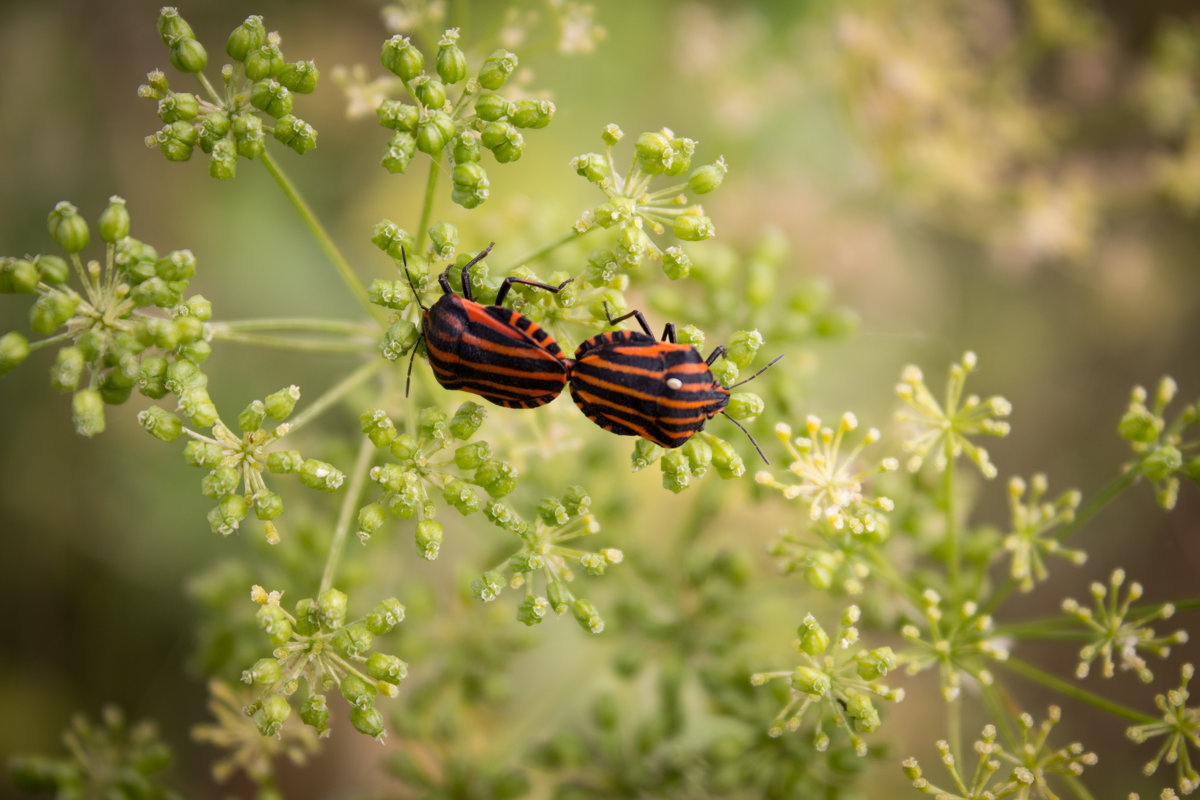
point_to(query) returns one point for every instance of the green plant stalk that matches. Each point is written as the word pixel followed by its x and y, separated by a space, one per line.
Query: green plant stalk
pixel 427 205
pixel 337 392
pixel 952 532
pixel 322 236
pixel 1036 675
pixel 305 324
pixel 541 253
pixel 1077 786
pixel 358 478
pixel 58 337
pixel 298 345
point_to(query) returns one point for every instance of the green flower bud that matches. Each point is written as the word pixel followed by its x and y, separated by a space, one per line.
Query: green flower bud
pixel 274 622
pixel 745 405
pixel 654 153
pixel 401 58
pixel 268 506
pixel 698 452
pixel 227 516
pixel 182 375
pixel 708 178
pixel 248 135
pixel 467 420
pixel 553 512
pixel 272 714
pixel 171 26
pixel 429 91
pixel 398 116
pixel 470 456
pixel 18 276
pixel 188 55
pixel 114 220
pixel 68 228
pixel 592 166
pixel 250 35
pixel 314 712
pixel 178 106
pixel 272 97
pixel 444 238
pixel 862 711
pixel 198 406
pixel 385 616
pixel 812 638
pixel 675 263
pixel 432 423
pixel 431 137
pixel 466 147
pixel 353 640
pixel 178 265
pixel 812 682
pixel 492 107
pixel 371 518
pixel 378 426
pixel 52 269
pixel 331 609
pixel 52 310
pixel 280 404
pixel 681 160
pixel 300 77
pixel 14 348
pixel 67 369
pixel 205 455
pixel 220 482
pixel 742 347
pixel 676 473
pixel 533 609
pixel 587 616
pixel 471 185
pixel 451 63
pixel 264 61
pixel 395 295
pixel 177 140
pixel 504 140
pixel 875 664
pixel 87 412
pixel 458 495
pixel 367 721
pixel 645 453
pixel 724 372
pixel 307 618
pixel 401 337
pixel 497 68
pixel 399 154
pixel 199 307
pixel 265 672
pixel 1139 425
pixel 496 477
pixel 1162 462
pixel 531 113
pixel 693 226
pixel 429 538
pixel 321 476
pixel 295 133
pixel 388 668
pixel 505 518
pixel 252 416
pixel 612 134
pixel 154 292
pixel 160 423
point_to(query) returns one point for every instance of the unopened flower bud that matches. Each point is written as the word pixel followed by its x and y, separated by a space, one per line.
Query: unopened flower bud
pixel 178 106
pixel 693 227
pixel 592 166
pixel 530 113
pixel 368 721
pixel 708 178
pixel 471 185
pixel 272 714
pixel 248 36
pixel 300 77
pixel 467 420
pixel 654 153
pixel 114 220
pixel 14 348
pixel 68 228
pixel 177 140
pixel 497 68
pixel 188 55
pixel 400 151
pixel 745 405
pixel 429 91
pixel 171 26
pixel 811 681
pixel 429 538
pixel 18 276
pixel 161 424
pixel 812 638
pixel 264 61
pixel 272 97
pixel 314 712
pixel 295 133
pixel 504 140
pixel 400 57
pixel 384 667
pixel 451 63
pixel 331 609
pixel 497 478
pixel 52 310
pixel 322 476
pixel 875 664
pixel 385 616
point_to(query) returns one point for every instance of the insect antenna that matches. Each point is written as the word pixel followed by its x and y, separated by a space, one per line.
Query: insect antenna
pixel 416 294
pixel 753 441
pixel 774 361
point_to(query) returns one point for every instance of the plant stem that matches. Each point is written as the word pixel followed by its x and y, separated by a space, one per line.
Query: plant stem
pixel 952 532
pixel 312 325
pixel 322 236
pixel 541 253
pixel 298 345
pixel 337 392
pixel 427 206
pixel 358 478
pixel 58 337
pixel 1071 690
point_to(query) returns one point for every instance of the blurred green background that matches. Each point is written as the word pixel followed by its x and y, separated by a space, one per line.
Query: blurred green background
pixel 1016 178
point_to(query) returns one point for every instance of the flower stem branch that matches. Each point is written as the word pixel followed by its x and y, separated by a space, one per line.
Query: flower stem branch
pixel 337 392
pixel 358 479
pixel 1073 691
pixel 322 236
pixel 298 345
pixel 427 205
pixel 541 253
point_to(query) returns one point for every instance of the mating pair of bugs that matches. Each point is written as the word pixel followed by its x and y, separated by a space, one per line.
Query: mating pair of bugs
pixel 627 382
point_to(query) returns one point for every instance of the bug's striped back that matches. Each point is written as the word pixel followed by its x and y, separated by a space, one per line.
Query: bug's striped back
pixel 493 352
pixel 633 385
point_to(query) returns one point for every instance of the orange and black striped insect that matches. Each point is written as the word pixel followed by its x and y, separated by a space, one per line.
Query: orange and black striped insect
pixel 632 384
pixel 490 351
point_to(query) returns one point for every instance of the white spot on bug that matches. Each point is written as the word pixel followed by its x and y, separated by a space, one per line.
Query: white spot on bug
pixel 674 383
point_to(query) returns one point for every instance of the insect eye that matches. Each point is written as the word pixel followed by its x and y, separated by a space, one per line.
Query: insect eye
pixel 674 383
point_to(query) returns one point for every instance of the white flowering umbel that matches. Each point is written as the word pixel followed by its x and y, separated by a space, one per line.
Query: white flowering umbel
pixel 829 479
pixel 1031 765
pixel 1180 725
pixel 1033 520
pixel 1118 633
pixel 958 643
pixel 836 680
pixel 942 429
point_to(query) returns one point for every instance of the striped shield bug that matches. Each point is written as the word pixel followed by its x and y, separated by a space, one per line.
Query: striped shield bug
pixel 490 351
pixel 632 384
